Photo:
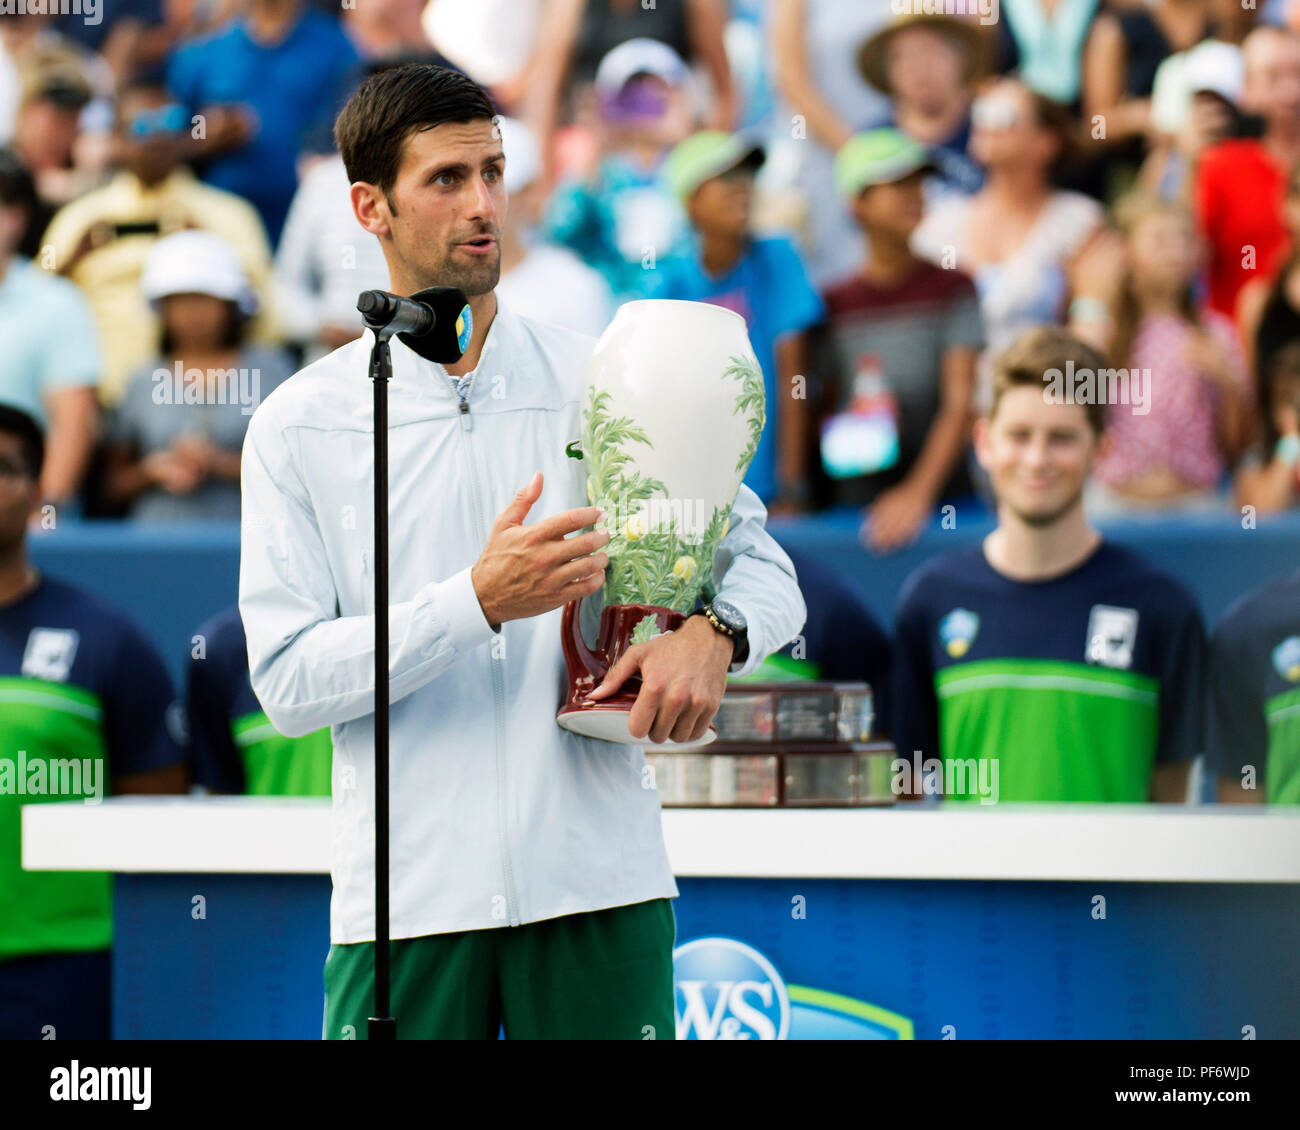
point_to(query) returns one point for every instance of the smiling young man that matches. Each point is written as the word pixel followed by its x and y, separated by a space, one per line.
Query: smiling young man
pixel 530 884
pixel 1069 662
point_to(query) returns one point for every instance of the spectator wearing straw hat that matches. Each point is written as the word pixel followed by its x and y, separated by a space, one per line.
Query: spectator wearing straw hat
pixel 761 279
pixel 175 440
pixel 929 66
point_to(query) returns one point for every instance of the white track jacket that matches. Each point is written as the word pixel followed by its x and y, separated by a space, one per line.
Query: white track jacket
pixel 498 816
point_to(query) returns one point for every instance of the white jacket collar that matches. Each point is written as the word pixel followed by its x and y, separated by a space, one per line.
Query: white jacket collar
pixel 428 377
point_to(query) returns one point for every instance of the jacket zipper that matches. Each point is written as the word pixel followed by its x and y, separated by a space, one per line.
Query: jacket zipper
pixel 498 680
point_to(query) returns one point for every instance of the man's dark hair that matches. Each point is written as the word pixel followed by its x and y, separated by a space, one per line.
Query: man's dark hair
pixel 391 105
pixel 16 422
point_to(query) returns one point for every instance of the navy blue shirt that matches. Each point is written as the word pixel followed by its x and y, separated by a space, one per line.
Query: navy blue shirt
pixel 235 747
pixel 63 634
pixel 85 700
pixel 218 689
pixel 842 639
pixel 1079 683
pixel 1255 690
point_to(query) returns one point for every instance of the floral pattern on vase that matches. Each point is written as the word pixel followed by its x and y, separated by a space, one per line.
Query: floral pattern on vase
pixel 659 553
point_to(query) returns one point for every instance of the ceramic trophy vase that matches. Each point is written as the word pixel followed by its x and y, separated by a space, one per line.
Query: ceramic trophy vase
pixel 672 411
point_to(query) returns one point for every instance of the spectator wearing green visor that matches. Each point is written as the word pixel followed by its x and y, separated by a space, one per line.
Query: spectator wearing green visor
pixel 904 337
pixel 761 278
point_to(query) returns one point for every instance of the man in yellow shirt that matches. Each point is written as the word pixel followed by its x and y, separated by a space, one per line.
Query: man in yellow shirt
pixel 100 240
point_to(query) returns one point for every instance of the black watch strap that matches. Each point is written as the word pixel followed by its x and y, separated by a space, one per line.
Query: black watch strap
pixel 739 639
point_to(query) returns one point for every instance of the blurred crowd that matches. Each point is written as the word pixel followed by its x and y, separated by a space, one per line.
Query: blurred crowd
pixel 920 216
pixel 889 197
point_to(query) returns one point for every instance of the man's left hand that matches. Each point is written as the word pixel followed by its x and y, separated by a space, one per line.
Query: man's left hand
pixel 683 676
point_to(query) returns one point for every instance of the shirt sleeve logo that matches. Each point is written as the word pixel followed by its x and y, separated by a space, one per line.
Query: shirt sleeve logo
pixel 957 631
pixel 1286 658
pixel 1112 632
pixel 49 653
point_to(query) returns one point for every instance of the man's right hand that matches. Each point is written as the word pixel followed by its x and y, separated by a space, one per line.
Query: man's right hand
pixel 528 570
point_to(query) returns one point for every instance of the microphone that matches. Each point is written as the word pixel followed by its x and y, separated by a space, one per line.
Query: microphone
pixel 436 323
pixel 381 310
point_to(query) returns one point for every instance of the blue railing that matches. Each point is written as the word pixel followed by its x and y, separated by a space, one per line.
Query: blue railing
pixel 171 578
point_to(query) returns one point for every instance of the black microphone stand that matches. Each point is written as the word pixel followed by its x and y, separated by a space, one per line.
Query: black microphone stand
pixel 381 1026
pixel 442 307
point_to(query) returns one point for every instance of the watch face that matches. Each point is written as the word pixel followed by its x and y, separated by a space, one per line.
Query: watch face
pixel 730 615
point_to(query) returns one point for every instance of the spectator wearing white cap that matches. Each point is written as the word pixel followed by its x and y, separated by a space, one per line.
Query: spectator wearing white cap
pixel 174 442
pixel 1128 46
pixel 620 219
pixel 101 240
pixel 1193 106
pixel 1241 183
pixel 542 280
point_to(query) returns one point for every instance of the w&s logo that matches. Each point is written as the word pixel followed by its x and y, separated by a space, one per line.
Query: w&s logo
pixel 727 990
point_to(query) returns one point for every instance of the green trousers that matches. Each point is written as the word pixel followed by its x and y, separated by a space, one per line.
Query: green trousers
pixel 603 975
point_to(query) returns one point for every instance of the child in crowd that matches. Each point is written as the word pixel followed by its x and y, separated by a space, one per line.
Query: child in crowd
pixel 763 280
pixel 906 335
pixel 174 442
pixel 1188 385
pixel 1269 476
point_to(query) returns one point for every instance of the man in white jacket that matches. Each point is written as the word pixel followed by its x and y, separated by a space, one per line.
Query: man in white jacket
pixel 530 886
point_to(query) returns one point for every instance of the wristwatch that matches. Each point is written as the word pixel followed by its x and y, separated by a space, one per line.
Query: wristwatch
pixel 728 619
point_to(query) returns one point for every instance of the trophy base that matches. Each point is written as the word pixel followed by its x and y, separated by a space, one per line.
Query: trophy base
pixel 610 724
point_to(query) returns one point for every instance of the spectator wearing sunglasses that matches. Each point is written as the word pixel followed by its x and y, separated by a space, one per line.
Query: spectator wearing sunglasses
pixel 101 240
pixel 1019 238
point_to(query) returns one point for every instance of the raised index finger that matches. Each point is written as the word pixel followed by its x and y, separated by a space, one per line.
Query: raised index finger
pixel 560 525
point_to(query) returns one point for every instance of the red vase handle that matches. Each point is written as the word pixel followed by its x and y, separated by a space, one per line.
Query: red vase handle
pixel 577 655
